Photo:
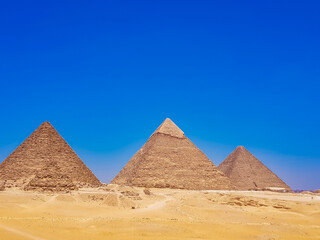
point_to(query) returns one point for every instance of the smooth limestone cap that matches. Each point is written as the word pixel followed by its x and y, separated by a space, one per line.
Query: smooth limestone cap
pixel 169 128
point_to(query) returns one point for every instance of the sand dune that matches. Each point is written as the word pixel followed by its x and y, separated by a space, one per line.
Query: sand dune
pixel 116 212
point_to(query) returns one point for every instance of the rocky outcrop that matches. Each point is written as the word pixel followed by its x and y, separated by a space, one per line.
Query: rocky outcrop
pixel 170 160
pixel 2 186
pixel 45 145
pixel 248 173
pixel 146 191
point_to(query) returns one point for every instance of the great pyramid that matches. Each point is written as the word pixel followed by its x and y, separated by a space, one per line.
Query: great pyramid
pixel 43 146
pixel 51 179
pixel 248 173
pixel 170 160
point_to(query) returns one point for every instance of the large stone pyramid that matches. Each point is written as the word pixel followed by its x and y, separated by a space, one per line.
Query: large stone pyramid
pixel 170 160
pixel 248 173
pixel 43 146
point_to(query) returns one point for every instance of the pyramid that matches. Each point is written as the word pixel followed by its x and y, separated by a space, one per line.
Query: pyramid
pixel 51 179
pixel 45 145
pixel 170 160
pixel 248 173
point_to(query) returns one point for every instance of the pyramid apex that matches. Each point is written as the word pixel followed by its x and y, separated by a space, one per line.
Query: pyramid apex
pixel 46 123
pixel 168 127
pixel 241 147
pixel 241 150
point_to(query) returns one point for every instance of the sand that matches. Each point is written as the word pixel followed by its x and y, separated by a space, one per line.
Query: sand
pixel 116 212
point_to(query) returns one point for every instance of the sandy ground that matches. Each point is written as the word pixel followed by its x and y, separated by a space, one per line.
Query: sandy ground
pixel 116 212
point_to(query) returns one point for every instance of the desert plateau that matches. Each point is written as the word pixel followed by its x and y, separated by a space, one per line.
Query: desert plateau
pixel 121 212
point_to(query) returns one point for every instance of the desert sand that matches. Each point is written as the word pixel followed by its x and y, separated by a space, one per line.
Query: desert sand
pixel 119 212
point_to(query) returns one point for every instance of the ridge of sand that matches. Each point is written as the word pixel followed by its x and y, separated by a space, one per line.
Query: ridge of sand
pixel 20 233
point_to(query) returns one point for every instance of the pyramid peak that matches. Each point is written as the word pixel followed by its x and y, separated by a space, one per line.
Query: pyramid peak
pixel 168 127
pixel 241 148
pixel 46 124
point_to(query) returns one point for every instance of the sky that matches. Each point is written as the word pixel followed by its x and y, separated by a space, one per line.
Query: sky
pixel 106 74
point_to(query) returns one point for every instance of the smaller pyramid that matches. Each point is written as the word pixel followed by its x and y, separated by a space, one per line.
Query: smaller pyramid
pixel 248 173
pixel 51 179
pixel 170 160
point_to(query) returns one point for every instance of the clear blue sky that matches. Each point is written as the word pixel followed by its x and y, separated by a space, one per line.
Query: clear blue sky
pixel 107 73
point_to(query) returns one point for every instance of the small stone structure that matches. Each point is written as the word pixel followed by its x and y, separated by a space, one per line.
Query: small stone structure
pixel 2 186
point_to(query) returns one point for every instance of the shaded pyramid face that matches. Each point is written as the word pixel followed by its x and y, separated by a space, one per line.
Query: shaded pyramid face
pixel 248 173
pixel 43 146
pixel 51 179
pixel 170 160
